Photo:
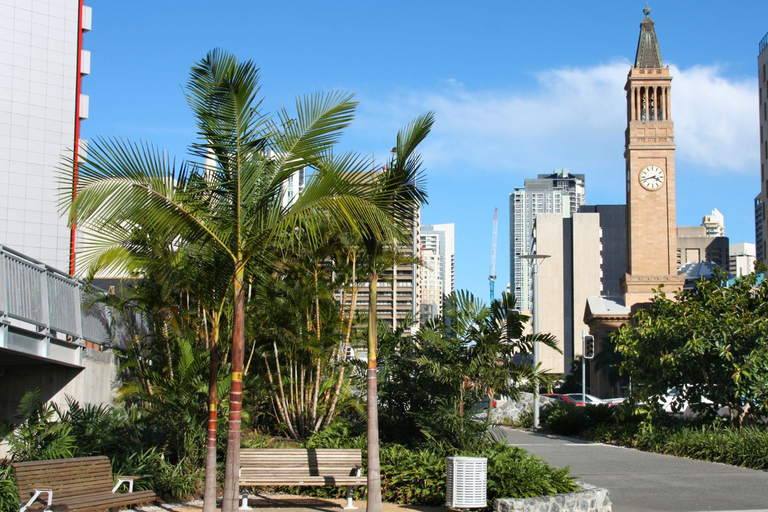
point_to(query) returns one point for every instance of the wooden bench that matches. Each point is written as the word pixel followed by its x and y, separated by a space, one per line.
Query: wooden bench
pixel 82 484
pixel 314 466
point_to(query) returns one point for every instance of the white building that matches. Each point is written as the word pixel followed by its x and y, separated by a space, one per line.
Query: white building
pixel 714 223
pixel 741 259
pixel 437 276
pixel 41 105
pixel 560 193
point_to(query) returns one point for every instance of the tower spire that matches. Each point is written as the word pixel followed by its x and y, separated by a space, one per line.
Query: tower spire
pixel 648 53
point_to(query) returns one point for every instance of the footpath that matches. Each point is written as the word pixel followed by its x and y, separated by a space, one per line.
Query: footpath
pixel 649 482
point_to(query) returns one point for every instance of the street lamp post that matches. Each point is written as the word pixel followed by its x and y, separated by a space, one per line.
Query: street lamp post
pixel 535 259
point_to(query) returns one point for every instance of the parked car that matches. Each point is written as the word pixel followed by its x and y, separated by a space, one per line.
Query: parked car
pixel 586 399
pixel 560 398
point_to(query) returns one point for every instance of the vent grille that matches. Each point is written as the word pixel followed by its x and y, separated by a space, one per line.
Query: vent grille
pixel 466 485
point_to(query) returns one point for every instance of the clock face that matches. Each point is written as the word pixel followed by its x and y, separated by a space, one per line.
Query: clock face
pixel 652 177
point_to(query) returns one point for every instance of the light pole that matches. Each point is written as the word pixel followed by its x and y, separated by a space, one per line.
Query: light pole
pixel 535 258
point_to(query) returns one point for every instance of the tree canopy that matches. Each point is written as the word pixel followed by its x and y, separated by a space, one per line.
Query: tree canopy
pixel 709 343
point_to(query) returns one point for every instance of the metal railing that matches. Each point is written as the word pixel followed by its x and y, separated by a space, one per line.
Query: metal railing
pixel 47 299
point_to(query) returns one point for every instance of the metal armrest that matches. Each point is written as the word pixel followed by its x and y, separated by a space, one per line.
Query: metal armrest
pixel 121 480
pixel 37 494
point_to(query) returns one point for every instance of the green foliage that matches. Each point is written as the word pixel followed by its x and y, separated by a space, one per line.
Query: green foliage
pixel 9 494
pixel 429 382
pixel 709 341
pixel 338 435
pixel 172 482
pixel 745 447
pixel 412 476
pixel 39 435
pixel 416 476
pixel 513 473
pixel 565 418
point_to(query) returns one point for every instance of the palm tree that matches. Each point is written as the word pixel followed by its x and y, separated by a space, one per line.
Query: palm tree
pixel 231 203
pixel 400 186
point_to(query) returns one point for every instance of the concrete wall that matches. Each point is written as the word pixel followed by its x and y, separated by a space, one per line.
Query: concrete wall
pixel 93 384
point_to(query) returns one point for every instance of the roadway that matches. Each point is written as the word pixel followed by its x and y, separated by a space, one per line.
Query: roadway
pixel 648 482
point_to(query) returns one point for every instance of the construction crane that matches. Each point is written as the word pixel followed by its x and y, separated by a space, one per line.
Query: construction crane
pixel 492 275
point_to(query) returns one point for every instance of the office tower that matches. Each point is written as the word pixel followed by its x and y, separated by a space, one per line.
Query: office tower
pixel 41 106
pixel 761 219
pixel 714 223
pixel 561 193
pixel 438 257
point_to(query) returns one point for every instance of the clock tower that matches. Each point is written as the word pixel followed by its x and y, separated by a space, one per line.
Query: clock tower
pixel 650 174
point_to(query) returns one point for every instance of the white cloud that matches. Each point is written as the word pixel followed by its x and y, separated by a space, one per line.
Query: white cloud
pixel 574 117
pixel 716 120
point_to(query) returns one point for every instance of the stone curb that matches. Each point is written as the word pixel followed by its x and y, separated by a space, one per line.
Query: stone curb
pixel 589 499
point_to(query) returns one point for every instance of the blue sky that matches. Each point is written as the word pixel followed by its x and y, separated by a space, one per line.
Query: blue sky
pixel 518 88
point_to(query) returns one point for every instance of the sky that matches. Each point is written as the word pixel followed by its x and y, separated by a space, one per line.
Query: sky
pixel 518 89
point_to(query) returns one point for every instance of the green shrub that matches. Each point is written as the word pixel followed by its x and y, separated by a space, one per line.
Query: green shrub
pixel 9 494
pixel 39 435
pixel 415 477
pixel 600 414
pixel 513 473
pixel 172 482
pixel 565 418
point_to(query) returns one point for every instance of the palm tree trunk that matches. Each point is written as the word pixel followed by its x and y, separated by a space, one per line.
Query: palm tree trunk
pixel 209 498
pixel 374 464
pixel 232 464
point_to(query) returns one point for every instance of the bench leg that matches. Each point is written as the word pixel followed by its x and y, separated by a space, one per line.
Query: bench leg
pixel 244 502
pixel 350 493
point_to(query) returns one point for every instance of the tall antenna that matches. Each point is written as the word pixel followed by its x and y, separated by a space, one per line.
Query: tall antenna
pixel 492 275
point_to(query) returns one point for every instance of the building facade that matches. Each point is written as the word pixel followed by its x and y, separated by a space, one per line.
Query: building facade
pixel 695 245
pixel 741 259
pixel 41 106
pixel 761 220
pixel 561 193
pixel 438 268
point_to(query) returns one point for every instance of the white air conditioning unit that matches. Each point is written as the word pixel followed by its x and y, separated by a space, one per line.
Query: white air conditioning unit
pixel 467 482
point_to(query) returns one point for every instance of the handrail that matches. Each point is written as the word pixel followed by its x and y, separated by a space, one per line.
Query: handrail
pixel 47 299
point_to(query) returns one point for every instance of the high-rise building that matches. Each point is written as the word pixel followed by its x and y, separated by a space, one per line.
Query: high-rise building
pixel 759 239
pixel 561 193
pixel 438 262
pixel 41 106
pixel 741 259
pixel 761 219
pixel 714 223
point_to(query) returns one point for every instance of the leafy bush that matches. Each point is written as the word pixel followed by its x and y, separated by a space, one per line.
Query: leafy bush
pixel 412 476
pixel 9 495
pixel 172 482
pixel 513 473
pixel 565 418
pixel 600 414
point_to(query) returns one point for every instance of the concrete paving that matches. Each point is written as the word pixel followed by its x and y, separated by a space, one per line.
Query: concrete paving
pixel 648 482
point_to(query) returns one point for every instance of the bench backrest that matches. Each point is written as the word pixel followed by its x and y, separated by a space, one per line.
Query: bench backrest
pixel 67 477
pixel 298 462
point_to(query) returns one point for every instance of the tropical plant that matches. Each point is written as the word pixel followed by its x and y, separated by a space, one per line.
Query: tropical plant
pixel 39 433
pixel 479 350
pixel 399 186
pixel 9 494
pixel 231 201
